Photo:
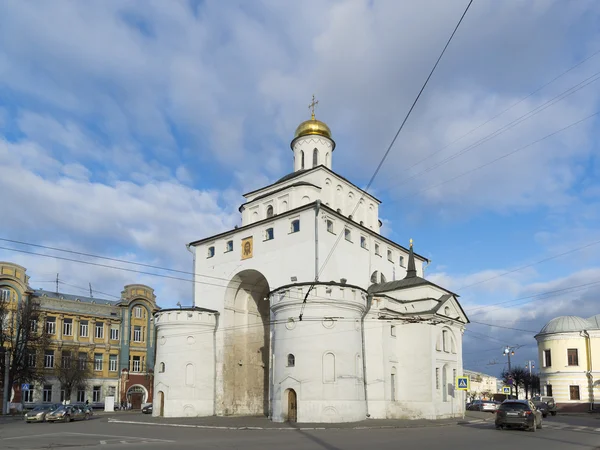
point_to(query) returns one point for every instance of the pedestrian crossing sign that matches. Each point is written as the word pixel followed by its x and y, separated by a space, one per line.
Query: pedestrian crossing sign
pixel 506 389
pixel 462 383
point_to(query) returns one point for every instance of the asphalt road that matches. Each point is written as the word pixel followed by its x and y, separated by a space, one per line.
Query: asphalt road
pixel 560 433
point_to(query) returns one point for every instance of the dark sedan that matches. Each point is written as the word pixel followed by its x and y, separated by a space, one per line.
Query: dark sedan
pixel 542 407
pixel 147 409
pixel 518 414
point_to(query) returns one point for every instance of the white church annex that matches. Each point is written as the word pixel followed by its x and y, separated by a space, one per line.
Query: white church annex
pixel 373 339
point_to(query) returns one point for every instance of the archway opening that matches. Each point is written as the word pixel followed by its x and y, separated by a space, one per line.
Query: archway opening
pixel 161 403
pixel 136 395
pixel 292 405
pixel 246 326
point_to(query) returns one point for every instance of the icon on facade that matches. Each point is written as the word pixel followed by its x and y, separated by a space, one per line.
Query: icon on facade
pixel 247 248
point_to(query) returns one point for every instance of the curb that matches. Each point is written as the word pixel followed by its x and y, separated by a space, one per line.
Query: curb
pixel 245 428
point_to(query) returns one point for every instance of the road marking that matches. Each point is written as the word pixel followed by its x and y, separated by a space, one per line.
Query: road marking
pixel 32 436
pixel 119 436
pixel 102 442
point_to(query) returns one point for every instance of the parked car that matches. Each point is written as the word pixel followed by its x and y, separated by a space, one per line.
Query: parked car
pixel 38 413
pixel 549 401
pixel 542 407
pixel 483 405
pixel 518 414
pixel 147 409
pixel 87 408
pixel 67 413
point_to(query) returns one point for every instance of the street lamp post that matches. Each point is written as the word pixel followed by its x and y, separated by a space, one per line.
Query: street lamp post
pixel 508 351
pixel 530 365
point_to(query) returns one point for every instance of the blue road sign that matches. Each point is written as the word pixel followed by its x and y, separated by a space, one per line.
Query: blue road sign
pixel 462 383
pixel 24 387
pixel 506 390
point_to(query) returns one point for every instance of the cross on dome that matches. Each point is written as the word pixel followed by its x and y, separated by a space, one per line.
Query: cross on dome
pixel 311 106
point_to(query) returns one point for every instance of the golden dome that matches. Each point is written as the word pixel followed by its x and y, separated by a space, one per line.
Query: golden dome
pixel 312 126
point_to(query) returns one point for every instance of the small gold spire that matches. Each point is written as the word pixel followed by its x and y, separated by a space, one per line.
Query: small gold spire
pixel 411 242
pixel 312 107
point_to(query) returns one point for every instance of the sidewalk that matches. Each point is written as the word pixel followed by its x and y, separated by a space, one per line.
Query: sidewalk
pixel 263 423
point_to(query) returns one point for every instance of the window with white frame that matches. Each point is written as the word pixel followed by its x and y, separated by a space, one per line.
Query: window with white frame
pixel 83 328
pixel 330 226
pixel 269 211
pixel 269 234
pixel 114 334
pixel 51 325
pixel 49 359
pixel 47 393
pixel 401 261
pixel 377 249
pixel 33 325
pixel 210 252
pixel 363 242
pixel 5 295
pixel 348 234
pixel 136 364
pixel 99 330
pixel 390 255
pixel 82 360
pixel 68 327
pixel 32 358
pixel 112 363
pixel 28 394
pixel 138 312
pixel 96 394
pixel 295 226
pixel 137 334
pixel 229 246
pixel 80 395
pixel 98 361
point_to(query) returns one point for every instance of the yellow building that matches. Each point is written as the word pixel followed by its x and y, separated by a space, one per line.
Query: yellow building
pixel 116 337
pixel 569 356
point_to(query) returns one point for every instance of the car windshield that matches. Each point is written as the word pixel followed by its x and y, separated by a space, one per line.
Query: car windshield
pixel 40 408
pixel 514 406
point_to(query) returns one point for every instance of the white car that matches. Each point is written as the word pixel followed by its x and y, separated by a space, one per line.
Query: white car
pixel 483 405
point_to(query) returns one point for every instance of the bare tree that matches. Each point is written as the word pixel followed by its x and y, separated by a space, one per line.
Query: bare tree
pixel 25 338
pixel 74 370
pixel 518 375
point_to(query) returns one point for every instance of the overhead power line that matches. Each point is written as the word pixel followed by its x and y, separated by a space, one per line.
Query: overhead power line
pixel 507 109
pixel 506 155
pixel 387 152
pixel 538 109
pixel 529 265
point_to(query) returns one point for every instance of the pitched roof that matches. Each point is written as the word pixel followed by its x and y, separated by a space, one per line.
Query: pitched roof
pixel 404 283
pixel 71 297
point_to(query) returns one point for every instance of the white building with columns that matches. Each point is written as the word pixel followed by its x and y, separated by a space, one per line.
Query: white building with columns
pixel 286 327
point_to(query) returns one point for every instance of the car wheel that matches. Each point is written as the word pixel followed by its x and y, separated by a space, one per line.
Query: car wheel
pixel 553 413
pixel 67 419
pixel 544 415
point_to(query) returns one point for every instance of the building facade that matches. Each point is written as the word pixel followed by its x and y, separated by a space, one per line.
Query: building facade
pixel 284 326
pixel 114 337
pixel 569 356
pixel 482 386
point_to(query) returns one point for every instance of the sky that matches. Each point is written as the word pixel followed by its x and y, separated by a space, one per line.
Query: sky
pixel 130 128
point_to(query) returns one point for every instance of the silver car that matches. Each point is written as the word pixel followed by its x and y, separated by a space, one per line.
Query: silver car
pixel 38 414
pixel 67 413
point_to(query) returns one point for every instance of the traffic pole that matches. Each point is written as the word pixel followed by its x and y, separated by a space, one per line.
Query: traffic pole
pixel 5 399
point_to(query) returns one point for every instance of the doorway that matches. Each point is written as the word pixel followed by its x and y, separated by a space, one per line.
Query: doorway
pixel 292 406
pixel 161 403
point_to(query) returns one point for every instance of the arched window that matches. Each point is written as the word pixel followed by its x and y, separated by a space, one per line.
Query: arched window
pixel 269 211
pixel 189 374
pixel 328 368
pixel 383 278
pixel 291 360
pixel 161 367
pixel 302 159
pixel 445 342
pixel 374 276
pixel 315 157
pixel 327 161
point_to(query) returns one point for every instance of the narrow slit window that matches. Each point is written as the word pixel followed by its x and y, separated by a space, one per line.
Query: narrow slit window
pixel 295 226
